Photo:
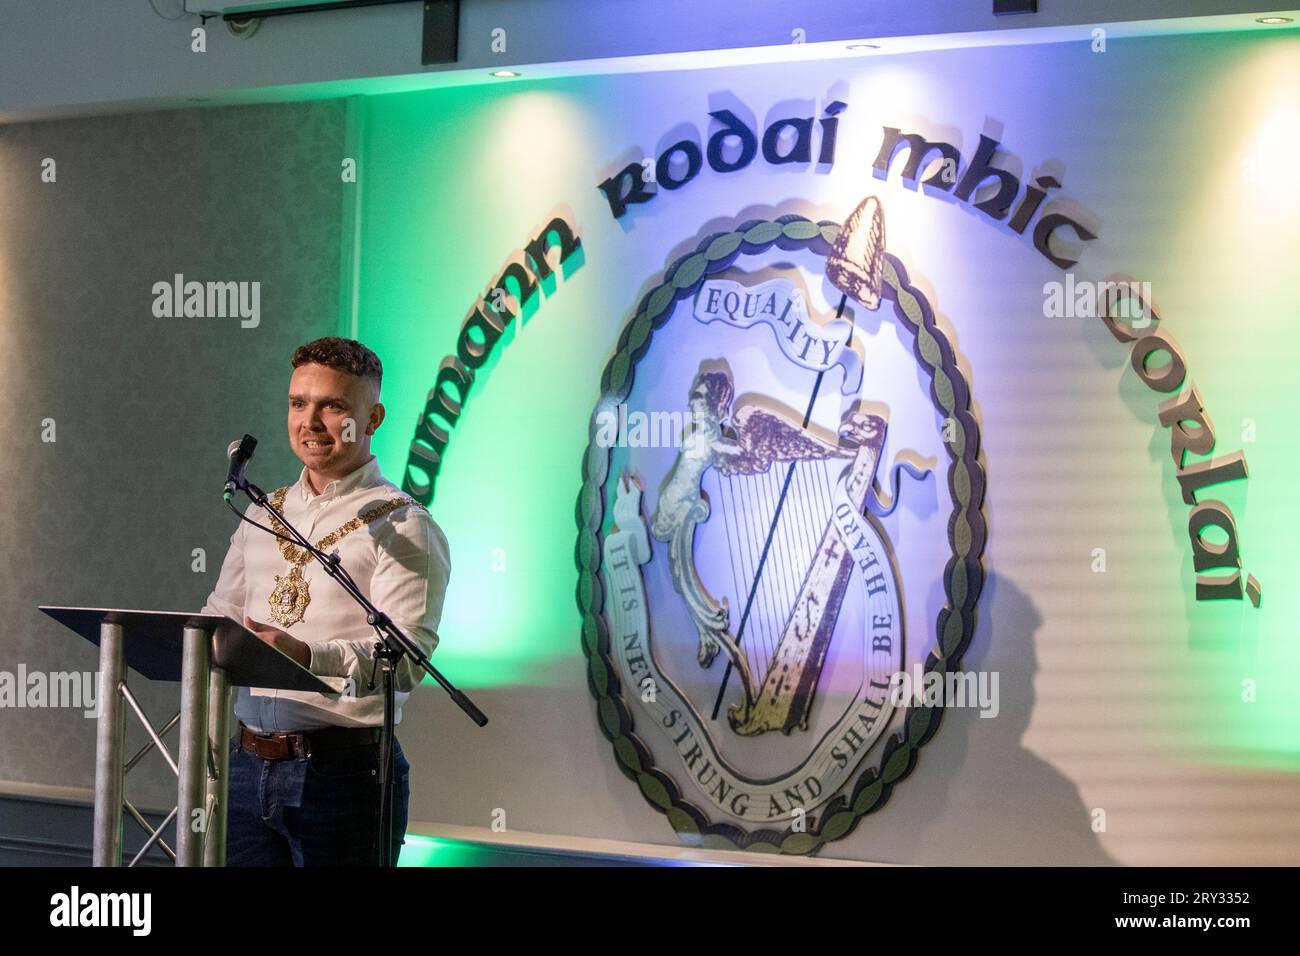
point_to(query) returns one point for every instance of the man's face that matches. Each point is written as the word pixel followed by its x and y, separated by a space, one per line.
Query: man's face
pixel 332 415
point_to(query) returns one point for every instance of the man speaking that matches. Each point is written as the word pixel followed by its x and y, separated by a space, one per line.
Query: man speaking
pixel 304 786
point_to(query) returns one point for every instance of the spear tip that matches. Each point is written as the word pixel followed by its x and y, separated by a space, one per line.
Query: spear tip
pixel 857 261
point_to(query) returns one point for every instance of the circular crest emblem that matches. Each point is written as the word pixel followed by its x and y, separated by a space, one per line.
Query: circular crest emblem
pixel 781 474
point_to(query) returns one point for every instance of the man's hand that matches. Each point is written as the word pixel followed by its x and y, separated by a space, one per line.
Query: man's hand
pixel 282 641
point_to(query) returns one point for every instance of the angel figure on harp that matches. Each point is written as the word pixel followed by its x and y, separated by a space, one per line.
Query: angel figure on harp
pixel 753 440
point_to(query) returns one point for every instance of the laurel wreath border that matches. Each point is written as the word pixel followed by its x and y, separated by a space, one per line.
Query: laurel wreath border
pixel 963 573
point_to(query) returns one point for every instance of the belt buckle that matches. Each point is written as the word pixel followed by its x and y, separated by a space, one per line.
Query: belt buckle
pixel 276 746
pixel 264 745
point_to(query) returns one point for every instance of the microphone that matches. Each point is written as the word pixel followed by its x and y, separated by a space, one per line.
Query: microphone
pixel 239 453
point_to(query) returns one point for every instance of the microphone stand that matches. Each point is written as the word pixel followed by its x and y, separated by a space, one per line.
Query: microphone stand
pixel 390 647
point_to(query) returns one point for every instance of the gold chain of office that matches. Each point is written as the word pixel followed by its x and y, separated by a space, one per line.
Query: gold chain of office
pixel 290 597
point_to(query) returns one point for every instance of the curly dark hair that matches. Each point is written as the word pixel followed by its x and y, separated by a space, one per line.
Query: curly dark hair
pixel 346 355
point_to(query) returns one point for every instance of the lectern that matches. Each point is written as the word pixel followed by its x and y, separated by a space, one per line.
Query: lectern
pixel 208 654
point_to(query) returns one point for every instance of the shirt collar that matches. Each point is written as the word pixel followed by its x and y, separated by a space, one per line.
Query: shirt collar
pixel 363 476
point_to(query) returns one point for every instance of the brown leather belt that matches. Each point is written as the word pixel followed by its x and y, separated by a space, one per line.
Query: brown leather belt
pixel 303 743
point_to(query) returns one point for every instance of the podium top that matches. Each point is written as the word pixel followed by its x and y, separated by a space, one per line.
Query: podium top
pixel 154 644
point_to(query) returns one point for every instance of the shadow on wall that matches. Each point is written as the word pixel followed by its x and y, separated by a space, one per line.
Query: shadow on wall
pixel 980 796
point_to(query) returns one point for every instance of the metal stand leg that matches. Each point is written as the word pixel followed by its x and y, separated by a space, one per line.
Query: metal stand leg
pixel 190 789
pixel 214 846
pixel 110 732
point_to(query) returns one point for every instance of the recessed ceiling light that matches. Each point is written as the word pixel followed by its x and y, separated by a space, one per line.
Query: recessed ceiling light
pixel 863 46
pixel 504 74
pixel 1272 21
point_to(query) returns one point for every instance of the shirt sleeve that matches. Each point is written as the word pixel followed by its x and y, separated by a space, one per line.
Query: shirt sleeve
pixel 409 584
pixel 229 595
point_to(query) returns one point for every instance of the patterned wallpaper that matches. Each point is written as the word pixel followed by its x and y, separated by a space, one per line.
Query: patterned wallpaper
pixel 109 512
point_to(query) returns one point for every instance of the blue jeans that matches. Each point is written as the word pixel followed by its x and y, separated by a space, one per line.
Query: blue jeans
pixel 321 810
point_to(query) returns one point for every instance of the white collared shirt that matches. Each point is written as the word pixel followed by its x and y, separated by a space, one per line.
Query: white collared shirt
pixel 400 561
